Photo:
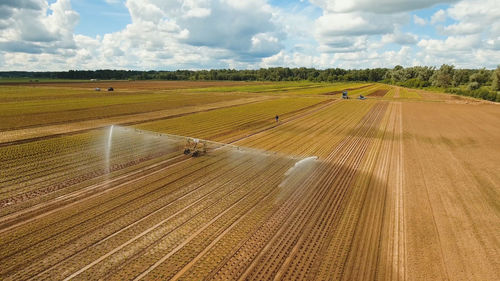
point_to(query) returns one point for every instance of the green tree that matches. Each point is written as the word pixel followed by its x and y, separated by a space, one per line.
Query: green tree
pixel 473 86
pixel 443 76
pixel 481 76
pixel 461 77
pixel 495 84
pixel 424 73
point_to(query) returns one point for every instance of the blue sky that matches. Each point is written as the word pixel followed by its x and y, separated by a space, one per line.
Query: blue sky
pixel 201 34
pixel 97 17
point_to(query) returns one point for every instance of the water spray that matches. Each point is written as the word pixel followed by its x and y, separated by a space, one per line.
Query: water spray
pixel 300 169
pixel 108 149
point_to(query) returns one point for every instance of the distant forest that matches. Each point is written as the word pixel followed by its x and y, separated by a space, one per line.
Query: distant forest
pixel 479 83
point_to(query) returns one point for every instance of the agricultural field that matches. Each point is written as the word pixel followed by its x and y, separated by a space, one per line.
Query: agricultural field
pixel 99 185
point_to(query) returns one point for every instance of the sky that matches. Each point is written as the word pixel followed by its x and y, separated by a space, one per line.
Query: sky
pixel 59 35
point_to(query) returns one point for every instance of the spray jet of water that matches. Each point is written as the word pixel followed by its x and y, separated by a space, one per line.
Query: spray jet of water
pixel 108 149
pixel 300 168
pixel 301 163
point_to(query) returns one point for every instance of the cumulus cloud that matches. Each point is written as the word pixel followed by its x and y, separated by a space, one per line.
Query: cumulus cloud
pixel 195 34
pixel 32 29
pixel 475 16
pixel 462 51
pixel 462 28
pixel 471 39
pixel 349 32
pixel 419 21
pixel 352 24
pixel 438 16
pixel 451 45
pixel 343 44
pixel 23 4
pixel 376 6
pixel 400 38
pixel 180 31
pixel 296 59
pixel 265 45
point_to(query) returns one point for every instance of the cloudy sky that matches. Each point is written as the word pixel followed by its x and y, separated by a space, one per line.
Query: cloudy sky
pixel 204 34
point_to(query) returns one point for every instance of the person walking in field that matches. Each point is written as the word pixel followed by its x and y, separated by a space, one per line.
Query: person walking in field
pixel 277 118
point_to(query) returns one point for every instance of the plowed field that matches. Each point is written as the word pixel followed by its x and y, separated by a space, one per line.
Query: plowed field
pixel 401 186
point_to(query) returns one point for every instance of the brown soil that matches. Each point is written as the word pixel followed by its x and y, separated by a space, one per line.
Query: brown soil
pixel 54 130
pixel 401 190
pixel 348 89
pixel 378 93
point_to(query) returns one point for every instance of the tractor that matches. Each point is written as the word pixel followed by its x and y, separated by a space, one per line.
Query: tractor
pixel 195 147
pixel 344 95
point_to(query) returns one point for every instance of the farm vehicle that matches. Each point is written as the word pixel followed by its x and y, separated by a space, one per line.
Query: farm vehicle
pixel 195 147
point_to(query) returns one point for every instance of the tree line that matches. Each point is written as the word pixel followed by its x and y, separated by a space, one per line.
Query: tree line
pixel 479 83
pixel 264 74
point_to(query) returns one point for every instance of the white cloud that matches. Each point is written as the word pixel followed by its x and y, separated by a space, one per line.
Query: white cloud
pixel 419 21
pixel 194 34
pixel 462 28
pixel 23 4
pixel 481 11
pixel 376 6
pixel 351 25
pixel 452 44
pixel 283 59
pixel 439 16
pixel 244 28
pixel 475 16
pixel 349 32
pixel 31 29
pixel 189 34
pixel 473 40
pixel 264 45
pixel 343 44
pixel 462 51
pixel 400 38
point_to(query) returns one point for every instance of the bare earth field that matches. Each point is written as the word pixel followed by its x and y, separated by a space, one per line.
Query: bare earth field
pixel 95 185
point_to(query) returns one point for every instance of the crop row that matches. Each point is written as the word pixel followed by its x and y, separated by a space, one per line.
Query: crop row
pixel 347 257
pixel 72 216
pixel 84 188
pixel 102 156
pixel 253 262
pixel 218 257
pixel 80 219
pixel 293 253
pixel 217 124
pixel 65 168
pixel 408 94
pixel 168 256
pixel 105 146
pixel 224 215
pixel 190 218
pixel 315 134
pixel 21 114
pixel 221 249
pixel 261 88
pixel 73 222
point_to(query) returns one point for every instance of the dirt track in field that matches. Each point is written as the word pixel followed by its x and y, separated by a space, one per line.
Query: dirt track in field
pixel 41 132
pixel 397 190
pixel 348 89
pixel 379 93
